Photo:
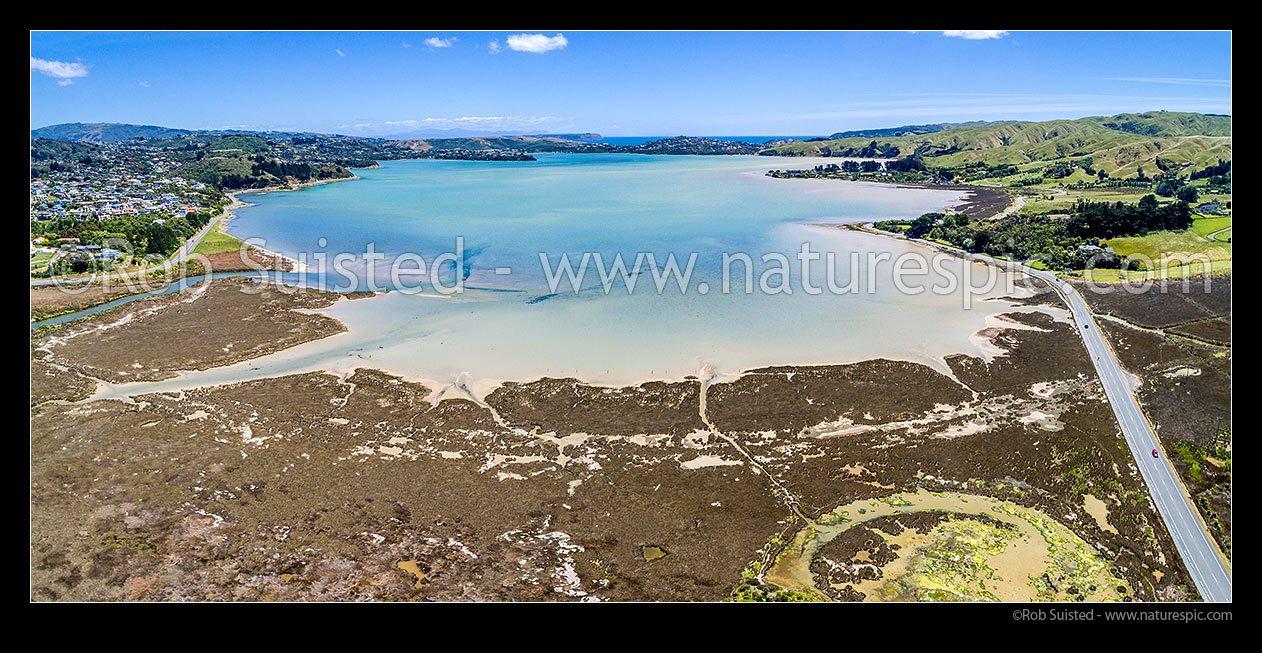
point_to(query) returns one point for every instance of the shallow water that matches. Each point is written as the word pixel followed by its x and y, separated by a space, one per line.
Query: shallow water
pixel 509 212
pixel 514 327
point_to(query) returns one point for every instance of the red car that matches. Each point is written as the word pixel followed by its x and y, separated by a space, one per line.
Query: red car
pixel 1155 454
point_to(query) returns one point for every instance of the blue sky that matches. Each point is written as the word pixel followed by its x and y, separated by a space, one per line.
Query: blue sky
pixel 617 83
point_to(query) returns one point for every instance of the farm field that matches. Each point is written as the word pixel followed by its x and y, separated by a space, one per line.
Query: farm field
pixel 1173 248
pixel 1205 227
pixel 1048 202
pixel 216 242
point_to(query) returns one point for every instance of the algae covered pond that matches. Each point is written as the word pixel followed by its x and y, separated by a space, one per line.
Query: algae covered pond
pixel 930 546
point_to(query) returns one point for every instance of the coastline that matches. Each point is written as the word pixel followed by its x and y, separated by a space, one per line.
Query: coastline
pixel 229 212
pixel 982 203
pixel 486 384
pixel 180 255
pixel 300 185
pixel 480 388
pixel 313 357
pixel 869 228
pixel 947 406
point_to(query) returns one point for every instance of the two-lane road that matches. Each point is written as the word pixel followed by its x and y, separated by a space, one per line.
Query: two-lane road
pixel 1194 545
pixel 1199 553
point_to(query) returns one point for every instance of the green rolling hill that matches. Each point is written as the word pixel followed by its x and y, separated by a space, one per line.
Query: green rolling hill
pixel 104 132
pixel 519 143
pixel 1118 145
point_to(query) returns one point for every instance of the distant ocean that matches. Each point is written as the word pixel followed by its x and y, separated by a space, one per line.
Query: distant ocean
pixel 637 140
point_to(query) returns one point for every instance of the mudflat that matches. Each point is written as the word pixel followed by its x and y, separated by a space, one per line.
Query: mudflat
pixel 51 301
pixel 980 202
pixel 234 319
pixel 1175 338
pixel 368 486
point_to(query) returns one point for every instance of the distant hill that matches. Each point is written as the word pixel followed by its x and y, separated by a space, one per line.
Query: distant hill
pixel 693 145
pixel 104 132
pixel 585 137
pixel 239 161
pixel 535 144
pixel 113 132
pixel 520 143
pixel 912 130
pixel 1118 145
pixel 1166 123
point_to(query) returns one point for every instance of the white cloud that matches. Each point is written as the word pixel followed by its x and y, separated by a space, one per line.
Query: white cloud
pixel 64 71
pixel 435 42
pixel 537 43
pixel 976 34
pixel 1182 81
pixel 493 46
pixel 143 84
pixel 473 123
pixel 339 52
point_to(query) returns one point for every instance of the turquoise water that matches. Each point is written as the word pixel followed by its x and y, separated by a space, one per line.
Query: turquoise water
pixel 638 140
pixel 513 327
pixel 509 212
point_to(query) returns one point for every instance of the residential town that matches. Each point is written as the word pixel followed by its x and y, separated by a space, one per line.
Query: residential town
pixel 100 203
